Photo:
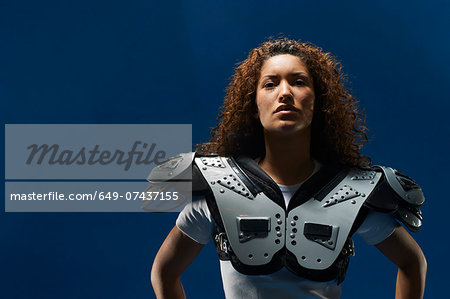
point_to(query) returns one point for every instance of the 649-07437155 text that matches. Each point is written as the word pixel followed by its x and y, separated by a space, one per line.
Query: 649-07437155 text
pixel 102 195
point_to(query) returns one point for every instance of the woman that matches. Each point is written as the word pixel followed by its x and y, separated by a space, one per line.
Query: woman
pixel 292 129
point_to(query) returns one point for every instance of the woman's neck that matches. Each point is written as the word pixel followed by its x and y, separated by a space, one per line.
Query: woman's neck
pixel 288 160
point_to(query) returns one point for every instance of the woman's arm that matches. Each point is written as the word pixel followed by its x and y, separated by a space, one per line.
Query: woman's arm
pixel 175 255
pixel 404 252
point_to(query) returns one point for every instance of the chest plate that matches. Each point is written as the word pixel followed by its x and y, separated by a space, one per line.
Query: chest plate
pixel 257 228
pixel 317 230
pixel 255 225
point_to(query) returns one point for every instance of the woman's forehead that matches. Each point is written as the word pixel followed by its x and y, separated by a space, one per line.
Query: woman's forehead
pixel 283 63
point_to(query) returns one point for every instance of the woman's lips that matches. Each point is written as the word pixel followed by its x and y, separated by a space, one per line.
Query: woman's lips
pixel 285 109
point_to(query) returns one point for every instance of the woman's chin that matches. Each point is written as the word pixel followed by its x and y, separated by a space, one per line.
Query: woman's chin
pixel 288 129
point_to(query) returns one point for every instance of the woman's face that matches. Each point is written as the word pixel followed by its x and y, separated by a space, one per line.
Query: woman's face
pixel 285 95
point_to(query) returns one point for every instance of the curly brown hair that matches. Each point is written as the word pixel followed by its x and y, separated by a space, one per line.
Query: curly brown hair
pixel 338 129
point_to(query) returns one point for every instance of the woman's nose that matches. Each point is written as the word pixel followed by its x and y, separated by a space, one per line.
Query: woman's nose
pixel 285 92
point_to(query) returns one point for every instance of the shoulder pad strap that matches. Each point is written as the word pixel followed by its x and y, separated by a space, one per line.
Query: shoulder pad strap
pixel 399 194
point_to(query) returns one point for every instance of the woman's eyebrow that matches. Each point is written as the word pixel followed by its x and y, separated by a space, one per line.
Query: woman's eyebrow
pixel 295 74
pixel 300 74
pixel 270 76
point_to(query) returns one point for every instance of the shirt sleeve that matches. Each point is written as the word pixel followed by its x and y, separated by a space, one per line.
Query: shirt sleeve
pixel 377 227
pixel 196 221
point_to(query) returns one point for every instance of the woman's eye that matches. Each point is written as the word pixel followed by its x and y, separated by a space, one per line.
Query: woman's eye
pixel 300 82
pixel 269 85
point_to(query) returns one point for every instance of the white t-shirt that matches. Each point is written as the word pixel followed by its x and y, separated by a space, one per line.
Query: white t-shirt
pixel 197 223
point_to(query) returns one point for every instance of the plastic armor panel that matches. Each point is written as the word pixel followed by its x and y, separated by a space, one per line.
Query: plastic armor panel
pixel 404 186
pixel 255 225
pixel 333 217
pixel 173 174
pixel 409 197
pixel 174 168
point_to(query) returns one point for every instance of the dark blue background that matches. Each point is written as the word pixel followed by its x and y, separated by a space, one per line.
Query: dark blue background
pixel 156 62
